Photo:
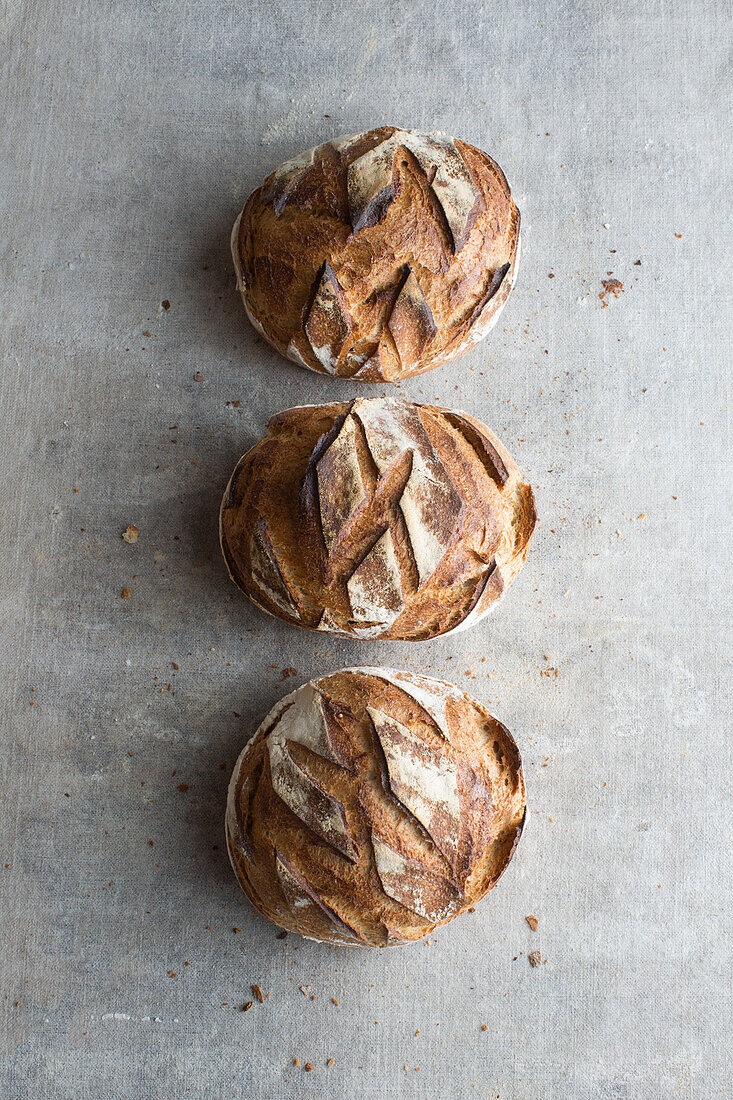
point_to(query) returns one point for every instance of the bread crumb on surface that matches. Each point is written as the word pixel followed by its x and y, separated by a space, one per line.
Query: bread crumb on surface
pixel 257 991
pixel 535 958
pixel 308 1067
pixel 532 922
pixel 330 1062
pixel 610 286
pixel 130 534
pixel 126 593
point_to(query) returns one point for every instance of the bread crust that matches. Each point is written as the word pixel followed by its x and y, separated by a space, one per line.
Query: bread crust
pixel 377 519
pixel 373 805
pixel 380 255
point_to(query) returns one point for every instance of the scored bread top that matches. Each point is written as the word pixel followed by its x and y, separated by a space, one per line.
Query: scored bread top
pixel 380 255
pixel 372 805
pixel 379 518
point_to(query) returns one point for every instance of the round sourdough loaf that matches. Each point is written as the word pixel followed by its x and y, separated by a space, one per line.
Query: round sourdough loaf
pixel 379 255
pixel 372 805
pixel 377 519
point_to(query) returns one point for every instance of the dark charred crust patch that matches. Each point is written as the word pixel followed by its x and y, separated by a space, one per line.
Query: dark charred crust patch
pixel 494 285
pixel 229 498
pixel 376 211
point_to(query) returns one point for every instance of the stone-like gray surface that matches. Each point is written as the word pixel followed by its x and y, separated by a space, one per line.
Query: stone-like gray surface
pixel 132 134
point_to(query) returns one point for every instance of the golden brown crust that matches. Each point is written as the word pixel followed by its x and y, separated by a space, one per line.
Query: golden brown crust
pixel 373 805
pixel 379 518
pixel 379 256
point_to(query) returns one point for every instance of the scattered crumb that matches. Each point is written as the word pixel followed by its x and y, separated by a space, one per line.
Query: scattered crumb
pixel 532 922
pixel 126 593
pixel 308 1067
pixel 678 236
pixel 281 935
pixel 198 377
pixel 304 989
pixel 165 304
pixel 535 958
pixel 296 1061
pixel 247 1005
pixel 334 1001
pixel 637 263
pixel 182 787
pixel 256 989
pixel 287 672
pixel 236 930
pixel 484 1027
pixel 233 404
pixel 131 533
pixel 610 286
pixel 175 665
pixel 330 1062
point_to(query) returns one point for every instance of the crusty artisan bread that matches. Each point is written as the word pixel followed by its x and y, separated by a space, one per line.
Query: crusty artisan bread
pixel 372 805
pixel 379 255
pixel 378 519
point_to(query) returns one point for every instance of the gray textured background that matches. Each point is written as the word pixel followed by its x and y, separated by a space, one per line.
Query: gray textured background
pixel 133 132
